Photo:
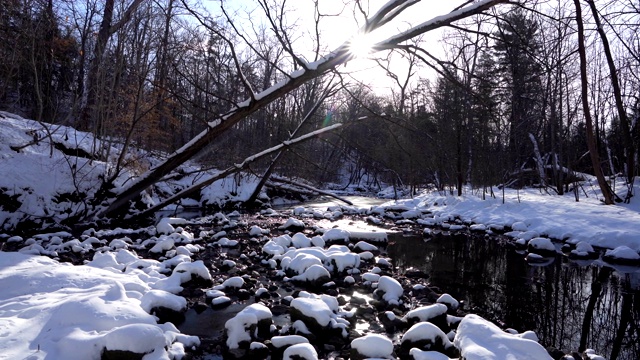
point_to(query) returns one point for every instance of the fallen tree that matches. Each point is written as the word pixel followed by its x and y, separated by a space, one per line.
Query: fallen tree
pixel 233 169
pixel 305 73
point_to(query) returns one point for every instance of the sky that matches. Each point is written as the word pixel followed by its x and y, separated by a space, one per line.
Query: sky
pixel 343 23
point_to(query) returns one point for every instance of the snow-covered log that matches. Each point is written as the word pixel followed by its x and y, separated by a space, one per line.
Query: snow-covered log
pixel 313 189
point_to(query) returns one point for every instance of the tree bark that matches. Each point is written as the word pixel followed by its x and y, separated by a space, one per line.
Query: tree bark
pixel 617 94
pixel 591 140
pixel 88 120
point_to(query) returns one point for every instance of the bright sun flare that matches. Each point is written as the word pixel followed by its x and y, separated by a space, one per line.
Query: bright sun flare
pixel 361 45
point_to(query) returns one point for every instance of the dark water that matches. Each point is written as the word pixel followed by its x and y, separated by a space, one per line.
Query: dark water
pixel 570 305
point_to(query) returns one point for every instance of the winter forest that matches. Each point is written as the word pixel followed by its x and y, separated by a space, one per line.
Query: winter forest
pixel 319 179
pixel 523 93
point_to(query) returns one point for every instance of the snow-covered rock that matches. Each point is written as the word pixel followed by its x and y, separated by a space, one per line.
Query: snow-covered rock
pixel 389 289
pixel 426 336
pixel 622 255
pixel 373 346
pixel 479 339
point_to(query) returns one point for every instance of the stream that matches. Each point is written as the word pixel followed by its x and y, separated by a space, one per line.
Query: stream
pixel 570 305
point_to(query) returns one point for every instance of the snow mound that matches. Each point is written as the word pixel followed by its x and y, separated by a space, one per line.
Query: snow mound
pixel 89 308
pixel 479 339
pixel 373 346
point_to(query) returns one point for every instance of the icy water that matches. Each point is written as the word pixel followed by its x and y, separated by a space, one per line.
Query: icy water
pixel 568 304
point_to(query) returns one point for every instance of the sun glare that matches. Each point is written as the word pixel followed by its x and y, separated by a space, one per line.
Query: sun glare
pixel 361 46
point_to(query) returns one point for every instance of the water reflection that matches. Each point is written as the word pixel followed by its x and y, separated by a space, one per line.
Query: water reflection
pixel 569 305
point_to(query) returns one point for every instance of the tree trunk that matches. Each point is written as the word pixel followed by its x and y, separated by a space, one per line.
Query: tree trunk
pixel 591 140
pixel 338 57
pixel 617 93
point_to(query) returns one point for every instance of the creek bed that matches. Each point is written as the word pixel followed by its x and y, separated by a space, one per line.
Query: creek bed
pixel 491 277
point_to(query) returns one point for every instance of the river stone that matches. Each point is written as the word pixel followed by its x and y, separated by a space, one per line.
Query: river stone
pixel 257 351
pixel 319 331
pixel 120 355
pixel 165 315
pixel 243 294
pixel 199 307
pixel 426 336
pixel 435 314
pixel 392 322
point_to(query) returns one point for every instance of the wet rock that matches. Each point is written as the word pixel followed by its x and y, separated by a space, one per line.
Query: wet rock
pixel 243 294
pixel 533 258
pixel 220 303
pixel 199 307
pixel 165 315
pixel 541 246
pixel 416 274
pixel 426 336
pixel 391 322
pixel 435 314
pixel 582 250
pixel 451 303
pixel 622 255
pixel 237 353
pixel 257 351
pixel 557 354
pixel 120 355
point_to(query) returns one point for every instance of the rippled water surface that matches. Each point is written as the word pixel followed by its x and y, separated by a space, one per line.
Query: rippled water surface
pixel 570 305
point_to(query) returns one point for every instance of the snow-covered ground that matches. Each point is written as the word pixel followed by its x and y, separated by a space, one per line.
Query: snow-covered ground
pixel 53 310
pixel 530 213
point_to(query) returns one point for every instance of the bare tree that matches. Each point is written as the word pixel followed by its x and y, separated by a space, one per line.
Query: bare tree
pixel 591 140
pixel 306 72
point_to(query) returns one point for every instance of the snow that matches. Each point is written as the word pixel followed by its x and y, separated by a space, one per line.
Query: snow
pixel 313 308
pixel 370 277
pixel 480 339
pixel 582 249
pixel 74 312
pixel 300 240
pixel 540 243
pixel 236 329
pixel 281 341
pixel 300 351
pixel 418 354
pixel 426 331
pixel 365 246
pixel 373 346
pixel 292 223
pixel 159 298
pixel 623 252
pixel 165 225
pixel 448 300
pixel 313 273
pixel 335 235
pixel 232 282
pixel 427 312
pixel 534 214
pixel 391 288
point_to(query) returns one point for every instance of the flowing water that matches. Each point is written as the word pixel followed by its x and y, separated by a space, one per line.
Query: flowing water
pixel 570 305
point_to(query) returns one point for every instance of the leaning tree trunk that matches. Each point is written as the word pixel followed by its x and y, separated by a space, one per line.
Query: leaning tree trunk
pixel 591 140
pixel 271 167
pixel 310 71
